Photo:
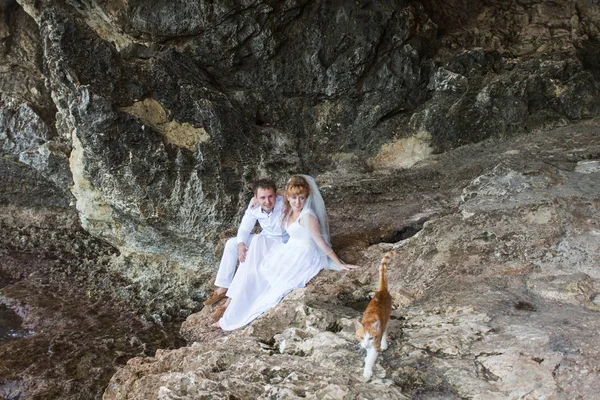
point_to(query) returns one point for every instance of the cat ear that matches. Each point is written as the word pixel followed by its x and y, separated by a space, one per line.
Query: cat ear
pixel 375 326
pixel 357 325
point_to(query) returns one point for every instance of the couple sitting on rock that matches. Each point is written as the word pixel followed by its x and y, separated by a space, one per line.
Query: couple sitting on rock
pixel 291 249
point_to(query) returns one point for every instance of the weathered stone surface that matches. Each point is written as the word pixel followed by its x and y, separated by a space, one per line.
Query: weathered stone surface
pixel 172 109
pixel 20 128
pixel 261 374
pixel 80 317
pixel 496 295
pixel 137 183
pixel 168 110
pixel 22 80
pixel 51 159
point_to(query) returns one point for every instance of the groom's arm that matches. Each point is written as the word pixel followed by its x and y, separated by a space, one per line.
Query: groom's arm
pixel 243 233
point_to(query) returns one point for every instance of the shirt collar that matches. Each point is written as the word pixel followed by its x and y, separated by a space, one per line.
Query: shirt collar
pixel 268 213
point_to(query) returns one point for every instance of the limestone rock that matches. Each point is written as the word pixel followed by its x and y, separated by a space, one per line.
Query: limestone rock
pixel 495 297
pixel 21 128
pixel 51 160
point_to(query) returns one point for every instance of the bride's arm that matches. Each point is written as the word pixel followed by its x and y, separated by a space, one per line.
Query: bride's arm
pixel 313 227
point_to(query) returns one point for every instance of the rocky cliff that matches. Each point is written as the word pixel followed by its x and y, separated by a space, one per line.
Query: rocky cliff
pixel 154 117
pixel 145 122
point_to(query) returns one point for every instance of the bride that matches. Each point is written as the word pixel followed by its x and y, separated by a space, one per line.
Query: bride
pixel 265 278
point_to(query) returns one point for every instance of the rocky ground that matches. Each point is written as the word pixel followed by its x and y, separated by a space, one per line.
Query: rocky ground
pixel 73 332
pixel 496 290
pixel 71 319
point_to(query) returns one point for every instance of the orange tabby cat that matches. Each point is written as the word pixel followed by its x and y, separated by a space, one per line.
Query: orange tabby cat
pixel 372 331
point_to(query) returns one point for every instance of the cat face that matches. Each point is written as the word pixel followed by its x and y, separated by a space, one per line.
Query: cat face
pixel 366 341
pixel 366 336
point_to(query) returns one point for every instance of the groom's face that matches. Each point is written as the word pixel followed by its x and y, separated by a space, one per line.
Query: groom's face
pixel 266 199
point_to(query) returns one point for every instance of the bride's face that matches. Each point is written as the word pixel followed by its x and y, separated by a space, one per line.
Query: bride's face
pixel 297 201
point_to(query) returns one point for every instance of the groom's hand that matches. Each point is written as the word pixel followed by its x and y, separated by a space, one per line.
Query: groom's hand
pixel 242 249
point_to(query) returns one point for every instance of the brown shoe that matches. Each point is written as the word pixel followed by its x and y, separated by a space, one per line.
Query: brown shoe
pixel 219 313
pixel 215 298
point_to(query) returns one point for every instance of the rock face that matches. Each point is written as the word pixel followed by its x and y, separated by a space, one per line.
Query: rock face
pixel 167 111
pixel 495 297
pixel 145 122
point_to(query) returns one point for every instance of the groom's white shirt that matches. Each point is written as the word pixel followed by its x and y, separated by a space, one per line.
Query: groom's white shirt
pixel 271 230
pixel 269 222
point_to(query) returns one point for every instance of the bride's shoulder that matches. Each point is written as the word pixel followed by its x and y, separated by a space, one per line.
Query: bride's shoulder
pixel 308 214
pixel 308 211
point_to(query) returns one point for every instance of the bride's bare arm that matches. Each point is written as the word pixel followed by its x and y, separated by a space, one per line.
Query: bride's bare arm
pixel 313 227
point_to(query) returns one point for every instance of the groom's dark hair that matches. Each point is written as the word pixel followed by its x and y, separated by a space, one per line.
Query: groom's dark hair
pixel 264 184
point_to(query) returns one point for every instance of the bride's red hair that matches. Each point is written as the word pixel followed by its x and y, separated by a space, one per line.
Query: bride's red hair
pixel 296 185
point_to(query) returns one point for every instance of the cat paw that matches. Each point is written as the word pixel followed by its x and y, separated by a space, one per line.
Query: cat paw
pixel 384 346
pixel 367 374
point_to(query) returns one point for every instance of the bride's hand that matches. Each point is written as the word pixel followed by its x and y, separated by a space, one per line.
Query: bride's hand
pixel 253 203
pixel 349 267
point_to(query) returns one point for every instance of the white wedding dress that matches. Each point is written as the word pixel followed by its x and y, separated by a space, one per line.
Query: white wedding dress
pixel 268 274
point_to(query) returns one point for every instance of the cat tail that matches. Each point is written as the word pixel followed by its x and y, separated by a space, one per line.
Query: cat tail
pixel 383 283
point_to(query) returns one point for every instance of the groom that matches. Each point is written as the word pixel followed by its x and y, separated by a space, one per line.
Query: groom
pixel 268 215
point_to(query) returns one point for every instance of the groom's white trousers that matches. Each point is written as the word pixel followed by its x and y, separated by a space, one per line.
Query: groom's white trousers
pixel 229 260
